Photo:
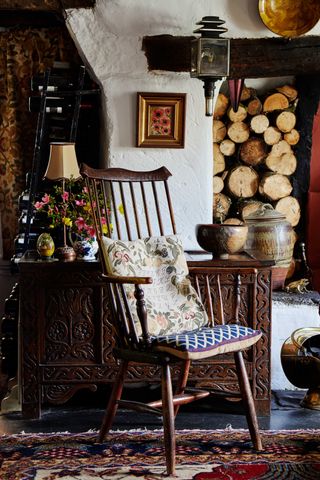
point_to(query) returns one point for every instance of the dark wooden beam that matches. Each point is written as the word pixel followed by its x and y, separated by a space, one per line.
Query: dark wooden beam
pixel 43 5
pixel 30 18
pixel 250 58
pixel 165 52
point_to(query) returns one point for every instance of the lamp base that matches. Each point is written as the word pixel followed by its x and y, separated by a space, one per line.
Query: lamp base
pixel 65 254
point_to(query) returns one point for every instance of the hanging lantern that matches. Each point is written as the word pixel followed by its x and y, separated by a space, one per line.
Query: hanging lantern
pixel 210 56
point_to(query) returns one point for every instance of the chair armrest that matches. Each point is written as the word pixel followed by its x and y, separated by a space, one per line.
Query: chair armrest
pixel 140 304
pixel 132 280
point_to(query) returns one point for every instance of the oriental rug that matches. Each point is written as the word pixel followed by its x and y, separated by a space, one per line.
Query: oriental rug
pixel 128 455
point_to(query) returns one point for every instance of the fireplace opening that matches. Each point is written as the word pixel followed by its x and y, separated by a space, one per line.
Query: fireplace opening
pixel 261 155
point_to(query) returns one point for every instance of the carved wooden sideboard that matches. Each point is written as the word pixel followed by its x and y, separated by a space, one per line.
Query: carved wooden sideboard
pixel 65 335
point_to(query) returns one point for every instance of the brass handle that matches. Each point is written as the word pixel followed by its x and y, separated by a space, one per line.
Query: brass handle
pixel 303 331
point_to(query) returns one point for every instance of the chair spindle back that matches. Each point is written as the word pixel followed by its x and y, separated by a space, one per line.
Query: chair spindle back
pixel 127 205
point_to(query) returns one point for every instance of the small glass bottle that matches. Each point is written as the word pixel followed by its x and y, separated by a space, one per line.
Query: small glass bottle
pixel 303 269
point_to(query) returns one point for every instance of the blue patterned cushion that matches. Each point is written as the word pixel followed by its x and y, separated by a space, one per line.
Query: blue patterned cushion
pixel 207 342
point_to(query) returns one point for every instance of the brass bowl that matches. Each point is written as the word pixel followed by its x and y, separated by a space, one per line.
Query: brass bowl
pixel 222 240
pixel 289 18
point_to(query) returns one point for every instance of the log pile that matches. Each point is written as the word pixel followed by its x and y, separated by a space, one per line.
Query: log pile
pixel 254 154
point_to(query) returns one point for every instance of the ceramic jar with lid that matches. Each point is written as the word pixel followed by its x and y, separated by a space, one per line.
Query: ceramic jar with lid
pixel 270 237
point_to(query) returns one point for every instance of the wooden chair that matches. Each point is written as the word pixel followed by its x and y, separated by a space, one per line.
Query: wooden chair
pixel 139 232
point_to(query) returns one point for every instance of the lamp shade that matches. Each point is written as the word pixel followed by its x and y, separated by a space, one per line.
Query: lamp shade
pixel 62 162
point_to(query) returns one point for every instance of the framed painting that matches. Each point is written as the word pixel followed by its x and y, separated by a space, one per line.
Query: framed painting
pixel 161 120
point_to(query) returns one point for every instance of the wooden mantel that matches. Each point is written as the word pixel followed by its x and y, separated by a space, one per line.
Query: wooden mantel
pixel 249 57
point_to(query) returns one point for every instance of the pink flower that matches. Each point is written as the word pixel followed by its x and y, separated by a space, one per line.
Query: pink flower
pixel 124 257
pixel 45 199
pixel 157 113
pixel 65 196
pixel 165 121
pixel 161 321
pixel 80 222
pixel 80 203
pixel 90 230
pixel 38 205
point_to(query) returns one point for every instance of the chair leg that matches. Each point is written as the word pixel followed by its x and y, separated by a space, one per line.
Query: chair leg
pixel 112 406
pixel 248 401
pixel 168 419
pixel 182 381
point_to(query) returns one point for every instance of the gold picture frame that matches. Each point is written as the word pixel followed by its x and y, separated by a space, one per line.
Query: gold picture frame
pixel 161 120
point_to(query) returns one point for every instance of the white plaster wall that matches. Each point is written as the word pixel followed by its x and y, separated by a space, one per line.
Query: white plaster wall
pixel 110 39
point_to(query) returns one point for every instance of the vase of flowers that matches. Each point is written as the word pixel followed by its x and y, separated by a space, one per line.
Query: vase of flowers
pixel 70 207
pixel 85 248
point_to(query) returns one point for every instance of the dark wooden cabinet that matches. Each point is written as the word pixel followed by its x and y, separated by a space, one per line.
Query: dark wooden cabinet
pixel 65 335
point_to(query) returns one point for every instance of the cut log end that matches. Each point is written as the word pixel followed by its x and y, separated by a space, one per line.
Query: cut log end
pixel 286 121
pixel 272 135
pixel 293 137
pixel 289 91
pixel 253 151
pixel 221 206
pixel 219 131
pixel 221 106
pixel 275 101
pixel 286 164
pixel 217 184
pixel 248 207
pixel 290 207
pixel 274 186
pixel 243 182
pixel 259 123
pixel 239 115
pixel 227 147
pixel 219 163
pixel 238 132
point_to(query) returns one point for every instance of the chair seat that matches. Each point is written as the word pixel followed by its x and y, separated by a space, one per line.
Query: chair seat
pixel 207 341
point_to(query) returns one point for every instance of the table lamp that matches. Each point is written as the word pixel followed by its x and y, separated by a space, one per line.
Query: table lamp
pixel 63 165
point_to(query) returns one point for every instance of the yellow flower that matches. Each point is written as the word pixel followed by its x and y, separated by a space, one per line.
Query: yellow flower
pixel 121 209
pixel 67 221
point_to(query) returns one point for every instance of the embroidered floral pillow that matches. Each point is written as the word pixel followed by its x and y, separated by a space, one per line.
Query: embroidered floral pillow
pixel 172 303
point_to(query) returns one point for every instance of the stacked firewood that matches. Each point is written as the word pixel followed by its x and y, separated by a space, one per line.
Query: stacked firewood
pixel 254 157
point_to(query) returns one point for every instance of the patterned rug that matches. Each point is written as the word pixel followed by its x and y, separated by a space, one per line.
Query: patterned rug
pixel 201 455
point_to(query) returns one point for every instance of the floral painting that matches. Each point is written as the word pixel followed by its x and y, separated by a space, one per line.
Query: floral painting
pixel 161 120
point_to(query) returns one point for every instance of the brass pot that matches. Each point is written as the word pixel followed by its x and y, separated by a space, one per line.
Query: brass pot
pixel 300 359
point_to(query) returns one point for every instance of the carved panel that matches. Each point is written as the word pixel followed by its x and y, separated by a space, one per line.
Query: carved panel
pixel 62 393
pixel 69 328
pixel 29 347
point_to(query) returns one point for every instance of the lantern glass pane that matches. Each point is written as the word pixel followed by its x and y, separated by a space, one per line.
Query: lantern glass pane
pixel 214 60
pixel 194 58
